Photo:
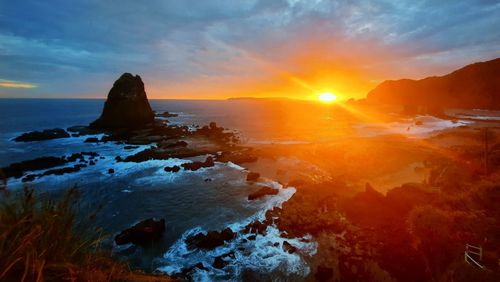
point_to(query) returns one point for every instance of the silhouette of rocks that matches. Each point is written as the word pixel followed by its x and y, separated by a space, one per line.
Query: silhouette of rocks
pixel 211 240
pixel 17 169
pixel 174 168
pixel 143 233
pixel 263 191
pixel 127 105
pixel 167 115
pixel 47 134
pixel 289 248
pixel 209 162
pixel 219 263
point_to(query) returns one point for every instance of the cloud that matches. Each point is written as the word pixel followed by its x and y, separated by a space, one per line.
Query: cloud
pixel 217 48
pixel 16 84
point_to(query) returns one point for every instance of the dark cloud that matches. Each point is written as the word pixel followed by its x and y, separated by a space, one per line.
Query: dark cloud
pixel 62 45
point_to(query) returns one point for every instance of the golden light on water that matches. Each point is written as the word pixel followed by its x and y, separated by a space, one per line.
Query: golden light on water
pixel 327 97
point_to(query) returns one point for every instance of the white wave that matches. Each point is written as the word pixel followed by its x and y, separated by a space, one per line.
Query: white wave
pixel 409 127
pixel 264 254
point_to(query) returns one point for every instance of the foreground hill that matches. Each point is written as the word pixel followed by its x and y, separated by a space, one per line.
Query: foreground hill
pixel 471 87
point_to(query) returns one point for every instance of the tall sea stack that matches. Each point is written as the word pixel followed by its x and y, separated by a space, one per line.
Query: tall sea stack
pixel 127 105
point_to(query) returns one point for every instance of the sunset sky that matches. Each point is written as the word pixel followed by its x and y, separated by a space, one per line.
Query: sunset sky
pixel 218 49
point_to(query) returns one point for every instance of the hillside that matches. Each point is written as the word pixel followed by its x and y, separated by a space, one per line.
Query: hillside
pixel 471 87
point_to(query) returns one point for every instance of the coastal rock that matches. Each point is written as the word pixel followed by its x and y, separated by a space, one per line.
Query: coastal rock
pixel 219 263
pixel 256 227
pixel 17 169
pixel 209 162
pixel 167 115
pixel 174 168
pixel 238 156
pixel 47 134
pixel 79 130
pixel 253 176
pixel 211 240
pixel 145 232
pixel 91 140
pixel 289 248
pixel 127 105
pixel 263 191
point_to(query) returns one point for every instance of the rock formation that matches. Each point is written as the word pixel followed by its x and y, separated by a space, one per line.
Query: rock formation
pixel 127 105
pixel 143 233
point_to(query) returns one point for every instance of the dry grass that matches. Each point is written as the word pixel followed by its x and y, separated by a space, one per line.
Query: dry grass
pixel 41 240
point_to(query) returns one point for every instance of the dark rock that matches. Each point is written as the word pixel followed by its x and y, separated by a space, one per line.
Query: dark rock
pixel 127 105
pixel 174 168
pixel 208 179
pixel 111 171
pixel 61 171
pixel 287 247
pixel 91 163
pixel 167 115
pixel 323 273
pixel 238 157
pixel 160 154
pixel 201 266
pixel 252 237
pixel 130 147
pixel 47 134
pixel 176 144
pixel 17 169
pixel 211 240
pixel 263 191
pixel 253 176
pixel 209 162
pixel 82 130
pixel 145 232
pixel 255 227
pixel 91 140
pixel 217 134
pixel 219 263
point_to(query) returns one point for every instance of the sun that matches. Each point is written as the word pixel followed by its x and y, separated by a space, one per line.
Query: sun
pixel 327 97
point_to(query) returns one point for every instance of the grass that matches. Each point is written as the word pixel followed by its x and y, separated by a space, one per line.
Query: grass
pixel 41 240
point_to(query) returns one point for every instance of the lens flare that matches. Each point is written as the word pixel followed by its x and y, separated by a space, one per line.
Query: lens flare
pixel 327 97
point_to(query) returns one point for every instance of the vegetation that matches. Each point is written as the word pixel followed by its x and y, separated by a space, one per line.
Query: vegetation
pixel 41 240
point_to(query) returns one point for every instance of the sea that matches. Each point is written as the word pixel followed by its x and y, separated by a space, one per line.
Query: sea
pixel 137 191
pixel 186 200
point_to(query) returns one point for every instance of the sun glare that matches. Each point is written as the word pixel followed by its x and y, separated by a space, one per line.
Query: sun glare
pixel 327 97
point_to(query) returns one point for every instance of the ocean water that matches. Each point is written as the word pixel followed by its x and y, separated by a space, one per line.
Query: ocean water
pixel 189 204
pixel 137 191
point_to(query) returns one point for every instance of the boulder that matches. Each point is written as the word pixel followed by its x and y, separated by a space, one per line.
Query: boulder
pixel 145 232
pixel 263 191
pixel 126 106
pixel 211 240
pixel 209 162
pixel 219 262
pixel 174 168
pixel 17 169
pixel 289 248
pixel 47 134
